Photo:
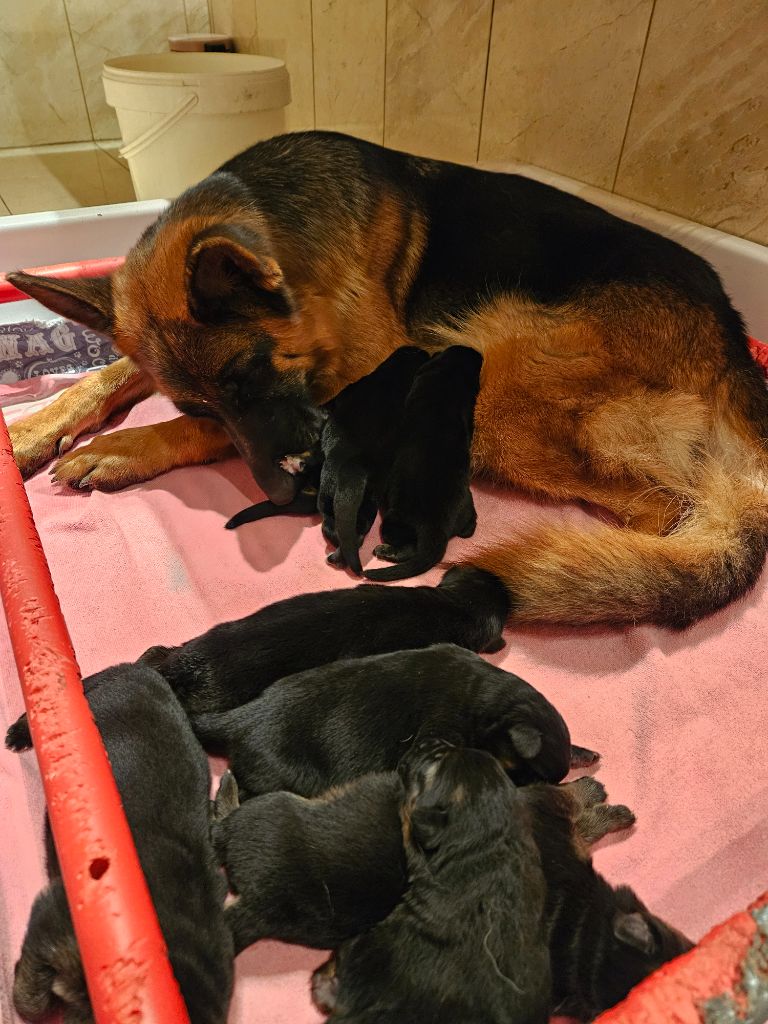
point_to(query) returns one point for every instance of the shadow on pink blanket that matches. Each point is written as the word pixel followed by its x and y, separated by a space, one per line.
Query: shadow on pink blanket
pixel 678 718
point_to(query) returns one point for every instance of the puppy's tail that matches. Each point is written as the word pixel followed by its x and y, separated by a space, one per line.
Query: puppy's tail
pixel 18 737
pixel 347 500
pixel 304 504
pixel 428 553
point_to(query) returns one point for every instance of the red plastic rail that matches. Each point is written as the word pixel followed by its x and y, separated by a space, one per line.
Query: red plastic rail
pixel 82 268
pixel 124 955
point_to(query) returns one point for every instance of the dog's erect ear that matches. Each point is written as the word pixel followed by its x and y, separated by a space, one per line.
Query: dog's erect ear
pixel 88 300
pixel 526 740
pixel 230 275
pixel 633 930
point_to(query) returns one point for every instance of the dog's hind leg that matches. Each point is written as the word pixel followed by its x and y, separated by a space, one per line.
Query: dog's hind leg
pixel 83 407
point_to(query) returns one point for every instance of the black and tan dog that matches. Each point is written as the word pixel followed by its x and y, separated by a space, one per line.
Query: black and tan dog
pixel 318 872
pixel 615 369
pixel 164 782
pixel 326 726
pixel 426 498
pixel 467 944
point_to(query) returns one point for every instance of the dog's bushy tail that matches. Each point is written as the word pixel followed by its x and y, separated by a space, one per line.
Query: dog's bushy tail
pixel 610 575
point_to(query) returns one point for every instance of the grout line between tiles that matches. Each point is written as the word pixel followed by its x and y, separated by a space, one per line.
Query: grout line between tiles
pixel 634 96
pixel 485 83
pixel 79 73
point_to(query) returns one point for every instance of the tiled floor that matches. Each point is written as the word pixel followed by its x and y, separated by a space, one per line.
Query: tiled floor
pixel 63 177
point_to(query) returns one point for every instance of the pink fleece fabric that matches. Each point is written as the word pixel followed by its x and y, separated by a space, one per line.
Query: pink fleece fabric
pixel 679 718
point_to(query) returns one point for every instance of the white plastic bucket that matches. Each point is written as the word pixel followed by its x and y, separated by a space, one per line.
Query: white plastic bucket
pixel 181 115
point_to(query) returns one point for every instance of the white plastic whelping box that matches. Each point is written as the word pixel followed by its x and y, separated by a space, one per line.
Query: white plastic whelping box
pixel 181 115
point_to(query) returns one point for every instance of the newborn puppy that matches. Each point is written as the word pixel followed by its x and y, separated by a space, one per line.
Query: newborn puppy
pixel 603 940
pixel 311 872
pixel 324 727
pixel 467 943
pixel 163 779
pixel 235 661
pixel 355 451
pixel 358 446
pixel 426 498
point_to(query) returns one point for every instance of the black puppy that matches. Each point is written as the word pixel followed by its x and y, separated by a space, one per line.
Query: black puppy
pixel 426 498
pixel 326 726
pixel 163 779
pixel 236 661
pixel 340 855
pixel 467 943
pixel 312 872
pixel 354 454
pixel 603 940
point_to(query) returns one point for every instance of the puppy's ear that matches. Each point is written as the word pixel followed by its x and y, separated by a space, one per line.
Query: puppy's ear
pixel 633 930
pixel 526 740
pixel 231 275
pixel 88 300
pixel 428 826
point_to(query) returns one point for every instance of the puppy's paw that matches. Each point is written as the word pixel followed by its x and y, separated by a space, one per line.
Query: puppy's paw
pixel 325 987
pixel 18 737
pixel 602 820
pixel 588 791
pixel 389 553
pixel 227 797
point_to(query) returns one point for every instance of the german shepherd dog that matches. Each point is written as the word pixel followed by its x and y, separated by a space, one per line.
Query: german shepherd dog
pixel 615 369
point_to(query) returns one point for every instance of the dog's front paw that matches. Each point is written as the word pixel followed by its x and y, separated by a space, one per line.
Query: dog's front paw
pixel 34 444
pixel 113 461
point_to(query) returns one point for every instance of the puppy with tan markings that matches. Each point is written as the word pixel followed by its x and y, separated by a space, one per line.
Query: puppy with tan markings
pixel 318 872
pixel 163 779
pixel 426 498
pixel 602 938
pixel 467 943
pixel 327 726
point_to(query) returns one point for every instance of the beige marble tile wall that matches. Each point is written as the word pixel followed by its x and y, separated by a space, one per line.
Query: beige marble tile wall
pixel 697 138
pixel 665 101
pixel 51 52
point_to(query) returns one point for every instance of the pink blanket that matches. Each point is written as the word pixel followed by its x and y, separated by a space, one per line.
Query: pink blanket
pixel 679 718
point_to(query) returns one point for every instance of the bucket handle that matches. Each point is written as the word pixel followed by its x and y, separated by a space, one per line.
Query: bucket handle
pixel 158 129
